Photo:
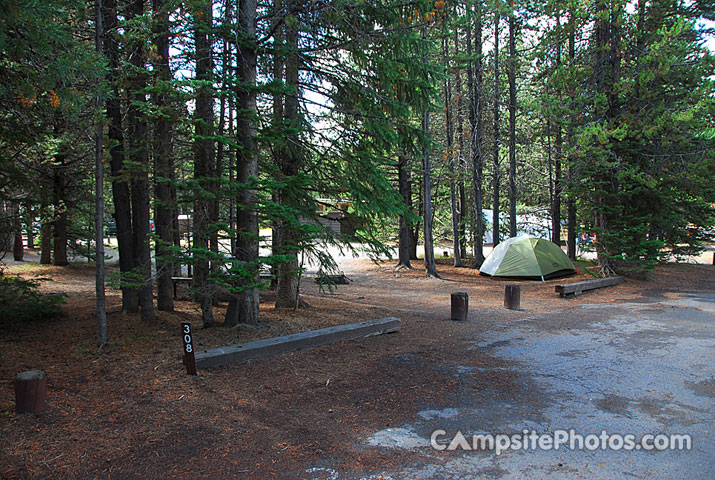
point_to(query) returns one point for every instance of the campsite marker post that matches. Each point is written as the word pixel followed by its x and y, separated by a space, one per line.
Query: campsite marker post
pixel 512 296
pixel 189 359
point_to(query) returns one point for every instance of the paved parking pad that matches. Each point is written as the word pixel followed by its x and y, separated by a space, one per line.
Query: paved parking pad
pixel 639 368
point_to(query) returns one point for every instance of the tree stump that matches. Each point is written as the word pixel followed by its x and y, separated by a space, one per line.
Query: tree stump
pixel 512 296
pixel 31 392
pixel 460 306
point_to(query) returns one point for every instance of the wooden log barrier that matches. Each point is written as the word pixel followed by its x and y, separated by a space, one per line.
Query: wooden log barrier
pixel 512 296
pixel 30 392
pixel 289 343
pixel 573 289
pixel 460 306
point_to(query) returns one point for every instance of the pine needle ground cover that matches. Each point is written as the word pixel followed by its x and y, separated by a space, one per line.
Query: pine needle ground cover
pixel 130 411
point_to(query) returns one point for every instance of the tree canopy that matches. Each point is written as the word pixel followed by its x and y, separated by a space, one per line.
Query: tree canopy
pixel 249 134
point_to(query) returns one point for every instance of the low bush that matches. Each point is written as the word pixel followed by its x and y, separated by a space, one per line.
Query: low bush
pixel 21 300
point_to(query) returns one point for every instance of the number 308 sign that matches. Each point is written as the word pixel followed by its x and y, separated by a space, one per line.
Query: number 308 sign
pixel 188 339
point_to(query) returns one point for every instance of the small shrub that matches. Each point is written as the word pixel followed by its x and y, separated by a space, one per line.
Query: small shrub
pixel 21 300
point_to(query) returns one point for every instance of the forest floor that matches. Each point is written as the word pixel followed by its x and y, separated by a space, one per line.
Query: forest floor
pixel 130 410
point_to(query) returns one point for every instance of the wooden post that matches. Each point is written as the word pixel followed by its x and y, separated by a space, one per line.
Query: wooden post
pixel 460 306
pixel 189 358
pixel 31 392
pixel 512 296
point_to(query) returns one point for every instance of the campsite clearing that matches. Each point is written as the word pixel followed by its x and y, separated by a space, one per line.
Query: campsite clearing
pixel 346 408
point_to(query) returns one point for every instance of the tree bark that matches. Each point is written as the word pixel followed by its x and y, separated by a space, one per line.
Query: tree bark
pixel 203 146
pixel 430 267
pixel 512 125
pixel 120 176
pixel 164 206
pixel 277 120
pixel 450 147
pixel 101 311
pixel 414 230
pixel 607 75
pixel 475 117
pixel 570 204
pixel 45 238
pixel 558 143
pixel 460 151
pixel 495 211
pixel 289 164
pixel 139 155
pixel 244 308
pixel 18 251
pixel 403 247
pixel 59 223
pixel 29 226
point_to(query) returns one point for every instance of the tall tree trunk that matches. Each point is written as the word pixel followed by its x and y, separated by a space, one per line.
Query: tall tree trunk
pixel 99 198
pixel 558 144
pixel 414 231
pixel 203 155
pixel 18 251
pixel 139 155
pixel 164 207
pixel 430 267
pixel 450 147
pixel 607 74
pixel 460 150
pixel 59 224
pixel 570 203
pixel 217 165
pixel 226 62
pixel 29 226
pixel 244 309
pixel 495 211
pixel 550 164
pixel 512 125
pixel 475 120
pixel 558 186
pixel 289 163
pixel 45 237
pixel 403 247
pixel 120 179
pixel 277 119
pixel 231 154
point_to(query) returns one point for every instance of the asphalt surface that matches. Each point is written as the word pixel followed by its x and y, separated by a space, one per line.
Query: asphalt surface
pixel 639 368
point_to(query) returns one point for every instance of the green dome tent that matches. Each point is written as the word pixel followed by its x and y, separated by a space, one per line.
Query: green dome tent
pixel 527 257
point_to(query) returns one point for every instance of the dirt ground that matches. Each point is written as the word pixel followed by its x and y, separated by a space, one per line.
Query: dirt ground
pixel 130 410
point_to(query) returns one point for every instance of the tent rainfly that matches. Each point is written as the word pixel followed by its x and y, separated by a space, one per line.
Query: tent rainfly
pixel 527 257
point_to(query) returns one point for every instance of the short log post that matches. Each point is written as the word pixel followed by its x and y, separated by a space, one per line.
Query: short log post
pixel 460 306
pixel 31 392
pixel 512 296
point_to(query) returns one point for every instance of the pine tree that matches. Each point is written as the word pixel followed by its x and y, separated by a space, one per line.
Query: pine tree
pixel 244 309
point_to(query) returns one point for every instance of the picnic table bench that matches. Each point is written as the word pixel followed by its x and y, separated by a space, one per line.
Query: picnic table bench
pixel 339 279
pixel 573 289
